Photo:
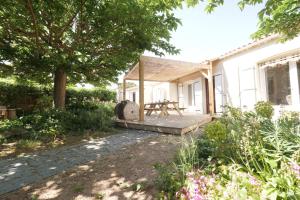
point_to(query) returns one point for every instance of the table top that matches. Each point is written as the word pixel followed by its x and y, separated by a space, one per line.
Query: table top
pixel 160 103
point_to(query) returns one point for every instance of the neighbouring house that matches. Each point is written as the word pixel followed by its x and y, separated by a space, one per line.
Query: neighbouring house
pixel 263 70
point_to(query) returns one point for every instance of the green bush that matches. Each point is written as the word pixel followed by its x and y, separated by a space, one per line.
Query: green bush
pixel 16 95
pixel 264 109
pixel 248 156
pixel 50 124
pixel 78 96
pixel 216 131
pixel 36 97
pixel 93 117
pixel 168 181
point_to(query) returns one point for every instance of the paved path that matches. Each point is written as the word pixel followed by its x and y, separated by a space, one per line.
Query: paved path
pixel 21 171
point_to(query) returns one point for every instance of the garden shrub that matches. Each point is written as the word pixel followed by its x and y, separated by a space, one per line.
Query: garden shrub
pixel 264 109
pixel 168 181
pixel 24 96
pixel 261 159
pixel 91 116
pixel 33 96
pixel 77 96
pixel 216 131
pixel 50 124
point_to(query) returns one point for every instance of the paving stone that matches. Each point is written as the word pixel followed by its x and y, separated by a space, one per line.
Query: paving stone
pixel 18 172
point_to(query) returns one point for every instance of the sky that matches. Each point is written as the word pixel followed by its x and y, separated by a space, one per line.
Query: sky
pixel 202 36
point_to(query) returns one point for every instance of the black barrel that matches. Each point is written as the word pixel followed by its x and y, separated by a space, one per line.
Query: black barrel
pixel 119 109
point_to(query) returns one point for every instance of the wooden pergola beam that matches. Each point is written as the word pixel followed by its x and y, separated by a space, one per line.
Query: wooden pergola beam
pixel 124 89
pixel 211 90
pixel 141 89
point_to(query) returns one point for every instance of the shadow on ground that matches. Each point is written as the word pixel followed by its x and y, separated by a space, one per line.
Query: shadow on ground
pixel 127 173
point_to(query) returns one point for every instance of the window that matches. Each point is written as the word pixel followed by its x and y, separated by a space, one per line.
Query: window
pixel 278 85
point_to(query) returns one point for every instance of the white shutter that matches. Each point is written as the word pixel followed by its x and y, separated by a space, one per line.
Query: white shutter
pixel 247 87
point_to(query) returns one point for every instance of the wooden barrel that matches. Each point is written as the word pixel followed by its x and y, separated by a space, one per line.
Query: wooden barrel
pixel 127 110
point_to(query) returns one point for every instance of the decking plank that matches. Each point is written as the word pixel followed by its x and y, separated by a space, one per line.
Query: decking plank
pixel 172 124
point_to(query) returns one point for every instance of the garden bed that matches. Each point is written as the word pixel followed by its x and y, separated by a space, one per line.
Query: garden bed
pixel 243 155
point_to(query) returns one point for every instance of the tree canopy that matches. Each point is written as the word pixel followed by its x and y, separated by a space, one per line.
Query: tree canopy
pixel 92 40
pixel 81 40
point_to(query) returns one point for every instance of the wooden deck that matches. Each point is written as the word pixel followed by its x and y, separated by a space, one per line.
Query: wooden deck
pixel 172 124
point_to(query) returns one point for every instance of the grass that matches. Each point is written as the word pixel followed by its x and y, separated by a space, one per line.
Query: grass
pixel 99 196
pixel 78 188
pixel 28 144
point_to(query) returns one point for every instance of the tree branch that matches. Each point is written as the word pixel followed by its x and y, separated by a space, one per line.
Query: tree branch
pixel 33 17
pixel 70 21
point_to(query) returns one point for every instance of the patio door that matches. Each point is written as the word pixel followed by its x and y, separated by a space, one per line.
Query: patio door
pixel 198 103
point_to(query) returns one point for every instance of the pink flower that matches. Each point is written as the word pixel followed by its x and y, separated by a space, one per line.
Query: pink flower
pixel 296 169
pixel 253 180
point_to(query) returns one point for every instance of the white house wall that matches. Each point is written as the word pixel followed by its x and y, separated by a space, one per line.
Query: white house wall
pixel 243 80
pixel 154 92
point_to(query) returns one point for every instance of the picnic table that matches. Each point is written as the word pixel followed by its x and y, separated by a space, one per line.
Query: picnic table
pixel 163 107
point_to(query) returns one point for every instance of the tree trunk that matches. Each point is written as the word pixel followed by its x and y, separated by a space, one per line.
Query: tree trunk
pixel 60 80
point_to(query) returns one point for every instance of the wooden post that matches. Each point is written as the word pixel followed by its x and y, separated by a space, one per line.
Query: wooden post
pixel 124 89
pixel 211 90
pixel 141 89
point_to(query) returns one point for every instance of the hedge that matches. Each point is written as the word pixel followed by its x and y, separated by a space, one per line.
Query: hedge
pixel 21 96
pixel 16 95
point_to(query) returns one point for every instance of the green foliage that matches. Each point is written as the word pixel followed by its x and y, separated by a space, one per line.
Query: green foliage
pixel 50 124
pixel 92 41
pixel 76 97
pixel 186 158
pixel 216 131
pixel 96 117
pixel 28 144
pixel 168 181
pixel 43 103
pixel 264 109
pixel 260 158
pixel 35 97
pixel 18 95
pixel 172 177
pixel 2 139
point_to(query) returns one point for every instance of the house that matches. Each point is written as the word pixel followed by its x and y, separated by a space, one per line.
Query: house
pixel 263 70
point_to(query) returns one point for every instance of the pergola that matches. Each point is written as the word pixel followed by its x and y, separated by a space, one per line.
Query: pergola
pixel 165 70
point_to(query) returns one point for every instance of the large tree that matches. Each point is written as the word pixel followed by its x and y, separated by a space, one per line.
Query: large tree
pixel 280 17
pixel 73 41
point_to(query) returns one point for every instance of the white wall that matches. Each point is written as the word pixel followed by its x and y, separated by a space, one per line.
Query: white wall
pixel 243 81
pixel 154 92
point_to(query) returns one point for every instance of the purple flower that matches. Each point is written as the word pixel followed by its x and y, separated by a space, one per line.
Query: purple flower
pixel 253 180
pixel 296 169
